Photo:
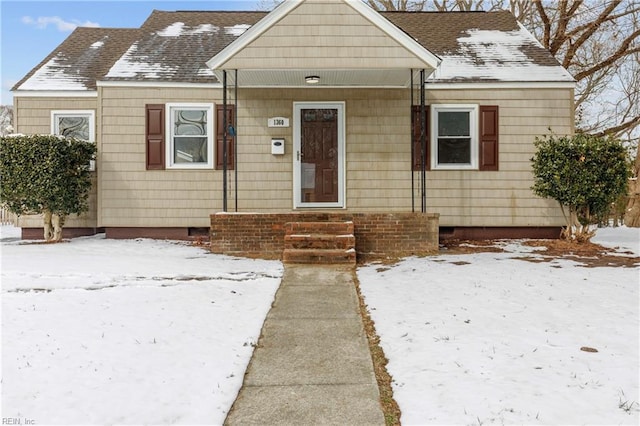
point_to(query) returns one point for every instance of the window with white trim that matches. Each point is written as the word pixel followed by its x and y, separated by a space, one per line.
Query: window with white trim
pixel 78 124
pixel 189 131
pixel 454 137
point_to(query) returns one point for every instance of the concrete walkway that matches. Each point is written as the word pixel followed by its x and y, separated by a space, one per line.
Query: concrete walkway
pixel 312 365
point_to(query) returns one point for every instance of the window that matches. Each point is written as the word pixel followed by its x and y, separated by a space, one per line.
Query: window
pixel 454 136
pixel 189 136
pixel 463 137
pixel 78 124
pixel 74 124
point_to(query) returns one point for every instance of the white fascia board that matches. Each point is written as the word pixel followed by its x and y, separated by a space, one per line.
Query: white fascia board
pixel 156 84
pixel 55 94
pixel 502 85
pixel 252 33
pixel 395 33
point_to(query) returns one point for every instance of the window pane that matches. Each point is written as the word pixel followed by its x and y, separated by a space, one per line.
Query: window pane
pixel 454 151
pixel 453 123
pixel 74 127
pixel 190 122
pixel 190 150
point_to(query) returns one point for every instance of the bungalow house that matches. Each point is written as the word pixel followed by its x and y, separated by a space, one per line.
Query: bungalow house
pixel 319 109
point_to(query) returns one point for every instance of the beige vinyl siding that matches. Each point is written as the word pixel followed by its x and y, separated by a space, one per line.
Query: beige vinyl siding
pixel 377 148
pixel 33 116
pixel 131 196
pixel 502 198
pixel 324 35
pixel 377 164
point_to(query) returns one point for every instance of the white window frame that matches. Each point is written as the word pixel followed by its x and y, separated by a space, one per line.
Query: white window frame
pixel 55 130
pixel 473 110
pixel 169 121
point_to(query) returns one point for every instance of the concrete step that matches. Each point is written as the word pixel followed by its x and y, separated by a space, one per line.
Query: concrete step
pixel 320 256
pixel 319 241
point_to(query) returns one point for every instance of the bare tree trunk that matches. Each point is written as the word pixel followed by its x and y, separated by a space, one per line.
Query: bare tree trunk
pixel 48 229
pixel 58 222
pixel 632 215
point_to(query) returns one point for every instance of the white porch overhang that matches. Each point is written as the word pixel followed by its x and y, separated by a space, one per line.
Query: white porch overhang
pixel 343 42
pixel 362 78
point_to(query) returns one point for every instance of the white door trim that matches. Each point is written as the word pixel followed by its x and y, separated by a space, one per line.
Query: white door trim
pixel 297 175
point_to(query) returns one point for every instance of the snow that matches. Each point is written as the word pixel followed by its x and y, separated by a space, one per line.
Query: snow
pixel 492 338
pixel 237 30
pixel 621 238
pixel 98 331
pixel 178 28
pixel 132 65
pixel 98 44
pixel 496 55
pixel 54 75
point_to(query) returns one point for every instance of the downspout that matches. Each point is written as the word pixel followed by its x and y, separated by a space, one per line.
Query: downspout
pixel 413 184
pixel 224 140
pixel 423 142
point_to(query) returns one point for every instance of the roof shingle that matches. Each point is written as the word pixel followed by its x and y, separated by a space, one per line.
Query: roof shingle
pixel 175 46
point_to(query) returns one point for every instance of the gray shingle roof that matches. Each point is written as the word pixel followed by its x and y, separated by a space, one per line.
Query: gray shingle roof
pixel 480 46
pixel 81 59
pixel 174 47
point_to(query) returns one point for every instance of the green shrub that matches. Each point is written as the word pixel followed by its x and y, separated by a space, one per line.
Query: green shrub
pixel 584 173
pixel 45 174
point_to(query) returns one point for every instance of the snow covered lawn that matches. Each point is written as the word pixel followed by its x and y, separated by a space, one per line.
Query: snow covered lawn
pixel 98 331
pixel 487 338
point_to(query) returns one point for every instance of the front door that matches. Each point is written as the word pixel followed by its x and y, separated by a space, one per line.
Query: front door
pixel 319 155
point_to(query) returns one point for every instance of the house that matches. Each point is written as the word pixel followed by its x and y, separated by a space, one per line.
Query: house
pixel 318 107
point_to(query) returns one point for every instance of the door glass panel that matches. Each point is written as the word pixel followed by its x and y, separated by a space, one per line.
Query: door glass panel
pixel 319 156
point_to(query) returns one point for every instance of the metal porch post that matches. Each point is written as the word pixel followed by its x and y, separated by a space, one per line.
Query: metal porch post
pixel 423 142
pixel 235 137
pixel 413 153
pixel 224 140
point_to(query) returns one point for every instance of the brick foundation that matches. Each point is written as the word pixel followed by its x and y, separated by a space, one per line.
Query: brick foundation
pixel 499 233
pixel 378 235
pixel 38 233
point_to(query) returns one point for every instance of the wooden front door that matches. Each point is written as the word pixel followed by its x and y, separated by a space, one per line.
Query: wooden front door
pixel 319 155
pixel 319 158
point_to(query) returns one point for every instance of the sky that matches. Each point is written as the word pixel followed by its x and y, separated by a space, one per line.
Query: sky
pixel 30 30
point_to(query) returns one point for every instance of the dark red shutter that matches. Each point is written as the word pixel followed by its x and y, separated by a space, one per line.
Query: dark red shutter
pixel 489 137
pixel 231 113
pixel 155 136
pixel 415 137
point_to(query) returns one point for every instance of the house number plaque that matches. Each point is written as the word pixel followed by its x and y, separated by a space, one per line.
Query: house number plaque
pixel 278 122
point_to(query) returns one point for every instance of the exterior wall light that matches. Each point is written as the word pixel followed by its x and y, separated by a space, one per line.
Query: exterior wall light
pixel 312 79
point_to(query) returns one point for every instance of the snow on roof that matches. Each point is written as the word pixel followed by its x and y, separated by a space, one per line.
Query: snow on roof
pixel 497 55
pixel 237 30
pixel 175 46
pixel 54 75
pixel 79 60
pixel 178 28
pixel 132 65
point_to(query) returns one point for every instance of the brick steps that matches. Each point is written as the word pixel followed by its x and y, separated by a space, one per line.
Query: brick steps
pixel 319 243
